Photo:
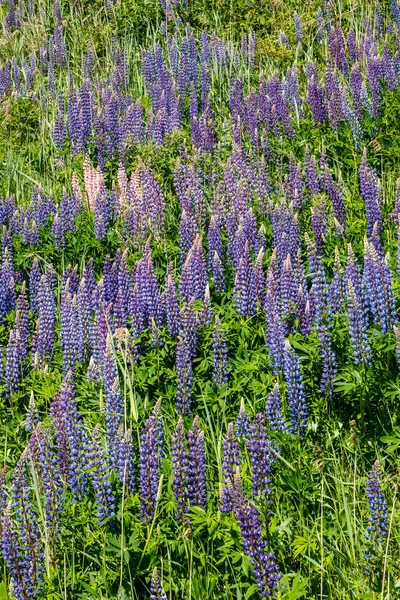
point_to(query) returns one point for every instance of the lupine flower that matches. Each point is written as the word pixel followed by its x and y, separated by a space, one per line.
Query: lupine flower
pixel 149 458
pixel 196 463
pixel 370 191
pixel 230 462
pixel 378 283
pixel 70 437
pixel 259 451
pixel 242 421
pixel 194 275
pixel 275 337
pixel 205 314
pixel 114 408
pixel 97 466
pixel 69 330
pixel 335 193
pixel 187 233
pixel 273 410
pixel 329 365
pixel 265 570
pixel 156 588
pixel 46 306
pixel 358 326
pixel 378 521
pixel 296 395
pixel 20 542
pixel 244 292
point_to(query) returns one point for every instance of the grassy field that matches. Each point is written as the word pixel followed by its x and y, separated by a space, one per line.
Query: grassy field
pixel 199 295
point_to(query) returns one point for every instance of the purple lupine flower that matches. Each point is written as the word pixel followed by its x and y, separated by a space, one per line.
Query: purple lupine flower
pixel 21 540
pixel 179 456
pixel 114 407
pixel 44 455
pixel 258 447
pixel 60 131
pixel 352 46
pixel 188 231
pixel 101 214
pixel 395 12
pixel 244 292
pixel 149 458
pixel 242 421
pixel 149 296
pixel 265 570
pixel 20 581
pixel 289 295
pixel 311 174
pixel 70 438
pixel 171 303
pixel 156 588
pixel 296 395
pixel 379 291
pixel 220 355
pixel 196 462
pixel 59 46
pixel 184 371
pixel 370 191
pixel 46 306
pixel 238 245
pixel 230 462
pixel 329 365
pixel 194 273
pixel 97 465
pixel 153 203
pixel 315 95
pixel 69 330
pixel 378 521
pixel 319 223
pixel 337 287
pixel 335 194
pixel 205 314
pixel 273 410
pixel 285 230
pixel 358 324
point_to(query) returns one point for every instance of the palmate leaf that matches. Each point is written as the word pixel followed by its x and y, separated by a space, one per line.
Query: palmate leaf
pixel 392 441
pixel 293 586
